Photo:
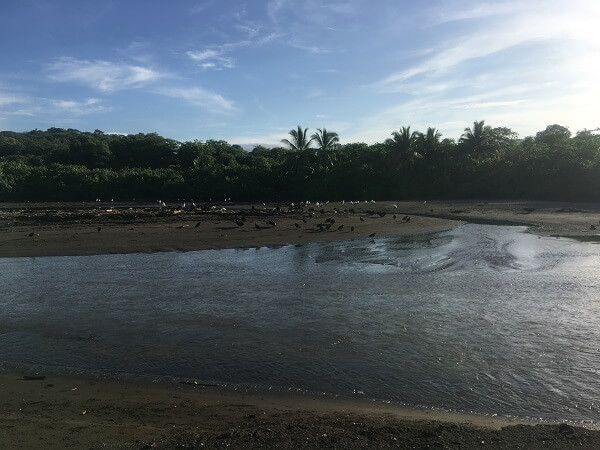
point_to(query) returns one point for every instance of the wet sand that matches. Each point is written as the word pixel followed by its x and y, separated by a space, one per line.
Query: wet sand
pixel 88 229
pixel 55 229
pixel 78 412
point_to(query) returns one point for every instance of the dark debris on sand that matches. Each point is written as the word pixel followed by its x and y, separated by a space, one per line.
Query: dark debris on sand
pixel 286 432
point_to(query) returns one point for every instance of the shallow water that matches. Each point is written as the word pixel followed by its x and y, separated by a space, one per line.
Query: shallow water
pixel 480 318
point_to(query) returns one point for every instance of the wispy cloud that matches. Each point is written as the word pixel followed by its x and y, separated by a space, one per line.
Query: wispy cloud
pixel 550 24
pixel 316 49
pixel 197 96
pixel 478 11
pixel 214 57
pixel 490 104
pixel 88 106
pixel 7 99
pixel 104 76
pixel 59 109
pixel 200 7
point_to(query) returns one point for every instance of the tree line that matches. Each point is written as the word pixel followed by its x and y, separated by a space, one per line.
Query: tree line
pixel 484 162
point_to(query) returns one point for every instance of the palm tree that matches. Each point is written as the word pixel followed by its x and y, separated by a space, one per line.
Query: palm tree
pixel 429 143
pixel 475 139
pixel 299 141
pixel 326 140
pixel 403 142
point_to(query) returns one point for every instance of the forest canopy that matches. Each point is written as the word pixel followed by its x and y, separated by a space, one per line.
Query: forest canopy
pixel 484 162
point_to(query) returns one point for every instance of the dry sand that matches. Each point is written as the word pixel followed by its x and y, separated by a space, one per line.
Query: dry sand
pixel 76 412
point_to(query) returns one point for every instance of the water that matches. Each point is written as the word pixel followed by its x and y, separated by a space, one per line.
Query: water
pixel 480 318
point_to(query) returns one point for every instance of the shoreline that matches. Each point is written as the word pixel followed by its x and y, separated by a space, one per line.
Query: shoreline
pixel 99 412
pixel 72 229
pixel 135 412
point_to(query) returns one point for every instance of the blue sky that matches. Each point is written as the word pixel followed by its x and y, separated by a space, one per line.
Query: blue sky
pixel 249 71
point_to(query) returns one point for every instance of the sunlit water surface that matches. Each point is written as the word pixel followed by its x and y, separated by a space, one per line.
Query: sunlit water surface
pixel 480 318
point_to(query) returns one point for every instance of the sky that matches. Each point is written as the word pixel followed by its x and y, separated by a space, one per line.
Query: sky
pixel 249 71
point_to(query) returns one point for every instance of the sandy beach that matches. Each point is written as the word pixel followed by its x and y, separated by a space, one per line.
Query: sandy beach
pixel 44 410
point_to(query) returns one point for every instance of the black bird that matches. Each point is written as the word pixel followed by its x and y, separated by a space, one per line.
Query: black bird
pixel 197 224
pixel 330 220
pixel 341 227
pixel 271 222
pixel 31 234
pixel 408 218
pixel 362 220
pixel 296 225
pixel 239 223
pixel 381 213
pixel 592 227
pixel 404 218
pixel 328 226
pixel 394 216
pixel 99 228
pixel 352 228
pixel 372 235
pixel 303 220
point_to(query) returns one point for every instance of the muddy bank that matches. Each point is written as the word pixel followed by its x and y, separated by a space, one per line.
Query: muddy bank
pixel 94 412
pixel 87 229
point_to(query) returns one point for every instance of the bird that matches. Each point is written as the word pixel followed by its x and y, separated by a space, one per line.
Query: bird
pixel 372 235
pixel 361 219
pixel 239 223
pixel 328 226
pixel 271 222
pixel 396 206
pixel 99 228
pixel 31 234
pixel 592 227
pixel 330 220
pixel 303 220
pixel 381 213
pixel 394 216
pixel 197 224
pixel 352 228
pixel 296 225
pixel 341 227
pixel 408 218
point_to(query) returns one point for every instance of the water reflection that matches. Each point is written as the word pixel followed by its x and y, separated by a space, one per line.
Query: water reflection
pixel 480 318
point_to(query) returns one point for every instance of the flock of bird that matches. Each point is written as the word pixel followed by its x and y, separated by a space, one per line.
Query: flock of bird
pixel 310 212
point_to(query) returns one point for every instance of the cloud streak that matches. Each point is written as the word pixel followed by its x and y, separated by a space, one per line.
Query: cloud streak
pixel 200 97
pixel 552 24
pixel 104 76
pixel 214 57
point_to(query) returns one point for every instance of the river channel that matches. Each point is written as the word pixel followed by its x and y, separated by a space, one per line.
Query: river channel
pixel 481 318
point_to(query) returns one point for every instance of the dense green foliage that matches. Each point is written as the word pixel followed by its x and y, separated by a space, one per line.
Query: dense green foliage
pixel 59 164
